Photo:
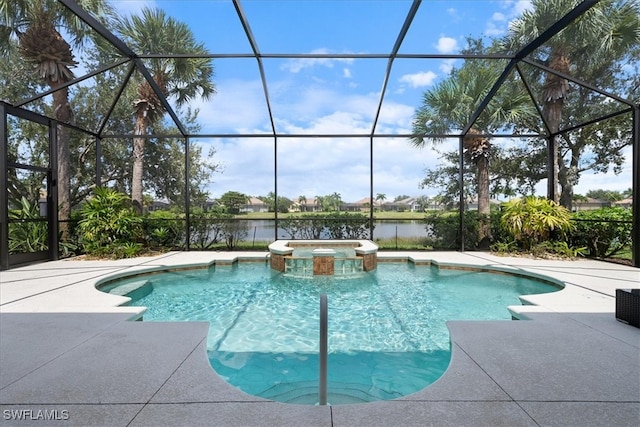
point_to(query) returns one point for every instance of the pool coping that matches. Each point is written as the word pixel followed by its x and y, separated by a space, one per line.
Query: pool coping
pixel 361 246
pixel 572 364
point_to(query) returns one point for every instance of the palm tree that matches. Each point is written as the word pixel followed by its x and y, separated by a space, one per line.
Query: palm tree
pixel 608 30
pixel 335 202
pixel 448 108
pixel 302 200
pixel 180 78
pixel 37 24
pixel 380 197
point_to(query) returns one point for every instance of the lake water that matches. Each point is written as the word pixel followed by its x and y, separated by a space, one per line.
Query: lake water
pixel 264 230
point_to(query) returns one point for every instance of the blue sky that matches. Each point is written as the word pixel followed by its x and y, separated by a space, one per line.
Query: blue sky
pixel 331 96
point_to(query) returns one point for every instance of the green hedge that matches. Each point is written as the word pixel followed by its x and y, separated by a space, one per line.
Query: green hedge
pixel 604 232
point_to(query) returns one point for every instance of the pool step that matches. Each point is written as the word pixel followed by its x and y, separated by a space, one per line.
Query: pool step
pixel 135 290
pixel 306 392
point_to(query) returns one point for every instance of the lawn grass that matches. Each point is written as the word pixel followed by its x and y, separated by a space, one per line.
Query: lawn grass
pixel 403 244
pixel 625 256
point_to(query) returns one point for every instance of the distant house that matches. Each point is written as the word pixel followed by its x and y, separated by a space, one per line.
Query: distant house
pixel 210 204
pixel 362 205
pixel 159 205
pixel 409 204
pixel 308 205
pixel 472 204
pixel 624 203
pixel 254 205
pixel 590 204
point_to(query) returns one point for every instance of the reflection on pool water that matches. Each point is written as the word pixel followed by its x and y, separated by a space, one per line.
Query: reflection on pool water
pixel 387 331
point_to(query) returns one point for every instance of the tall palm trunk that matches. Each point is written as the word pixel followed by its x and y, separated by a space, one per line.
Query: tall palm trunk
pixel 554 91
pixel 148 110
pixel 142 123
pixel 484 207
pixel 568 177
pixel 52 57
pixel 478 148
pixel 63 114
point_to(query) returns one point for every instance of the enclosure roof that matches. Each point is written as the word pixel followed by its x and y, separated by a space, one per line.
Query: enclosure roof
pixel 380 59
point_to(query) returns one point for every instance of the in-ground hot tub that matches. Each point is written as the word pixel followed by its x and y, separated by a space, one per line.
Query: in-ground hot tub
pixel 323 257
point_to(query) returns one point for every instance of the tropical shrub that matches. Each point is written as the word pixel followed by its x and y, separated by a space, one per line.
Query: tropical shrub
pixel 443 229
pixel 164 229
pixel 126 250
pixel 305 226
pixel 557 247
pixel 532 220
pixel 234 231
pixel 109 226
pixel 29 232
pixel 333 225
pixel 504 247
pixel 604 232
pixel 208 227
pixel 346 225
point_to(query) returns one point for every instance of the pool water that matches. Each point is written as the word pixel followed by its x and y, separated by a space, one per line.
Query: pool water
pixel 387 332
pixel 339 252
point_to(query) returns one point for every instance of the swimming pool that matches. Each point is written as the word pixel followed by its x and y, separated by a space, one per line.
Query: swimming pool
pixel 387 331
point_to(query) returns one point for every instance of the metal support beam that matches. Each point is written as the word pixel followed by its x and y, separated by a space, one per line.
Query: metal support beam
pixel 263 77
pixel 187 193
pixel 396 47
pixel 103 31
pixel 275 186
pixel 579 82
pixel 461 189
pixel 527 87
pixel 4 202
pixel 526 51
pixel 98 181
pixel 119 93
pixel 635 143
pixel 256 53
pixel 371 188
pixel 323 352
pixel 52 192
pixel 71 82
pixel 552 185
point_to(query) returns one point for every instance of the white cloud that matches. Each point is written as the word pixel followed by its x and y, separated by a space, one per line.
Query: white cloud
pixel 298 64
pixel 520 6
pixel 515 8
pixel 497 25
pixel 492 30
pixel 238 105
pixel 447 45
pixel 609 181
pixel 447 65
pixel 454 15
pixel 395 117
pixel 316 166
pixel 346 73
pixel 420 79
pixel 497 16
pixel 132 7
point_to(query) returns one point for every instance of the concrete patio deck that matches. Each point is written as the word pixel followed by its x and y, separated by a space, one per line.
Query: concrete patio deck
pixel 69 356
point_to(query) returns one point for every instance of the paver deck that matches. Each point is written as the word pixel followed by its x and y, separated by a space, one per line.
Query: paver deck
pixel 68 351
